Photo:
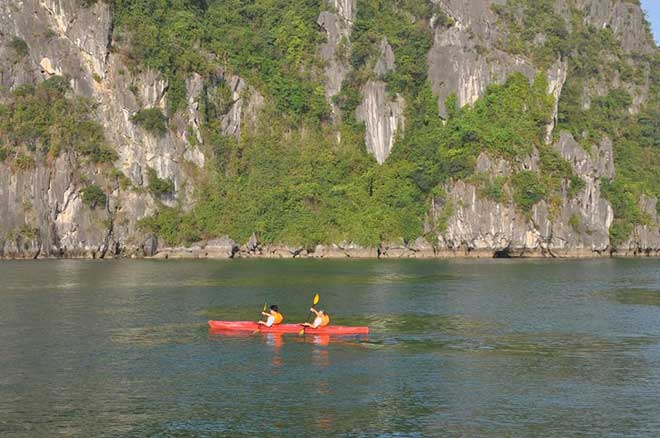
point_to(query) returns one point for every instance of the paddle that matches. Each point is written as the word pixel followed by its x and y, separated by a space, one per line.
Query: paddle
pixel 265 307
pixel 315 302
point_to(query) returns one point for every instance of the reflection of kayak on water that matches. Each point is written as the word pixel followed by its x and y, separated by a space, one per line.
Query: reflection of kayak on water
pixel 247 326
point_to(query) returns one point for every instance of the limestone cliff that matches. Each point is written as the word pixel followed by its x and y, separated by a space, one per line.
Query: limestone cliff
pixel 337 23
pixel 42 213
pixel 42 208
pixel 383 116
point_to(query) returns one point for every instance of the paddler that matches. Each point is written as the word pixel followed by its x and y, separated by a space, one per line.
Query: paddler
pixel 322 319
pixel 274 317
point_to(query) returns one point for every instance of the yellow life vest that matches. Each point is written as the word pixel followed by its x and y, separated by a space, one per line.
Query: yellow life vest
pixel 325 320
pixel 278 317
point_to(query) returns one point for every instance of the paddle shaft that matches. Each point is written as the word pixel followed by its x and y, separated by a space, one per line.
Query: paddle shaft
pixel 260 316
pixel 315 301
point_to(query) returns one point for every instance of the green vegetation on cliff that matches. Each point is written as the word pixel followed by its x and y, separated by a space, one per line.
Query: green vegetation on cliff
pixel 272 43
pixel 291 180
pixel 44 120
pixel 302 188
pixel 597 61
pixel 534 29
pixel 152 120
pixel 19 48
pixel 93 196
pixel 159 186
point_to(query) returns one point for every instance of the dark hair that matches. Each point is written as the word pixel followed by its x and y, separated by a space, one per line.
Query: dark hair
pixel 274 307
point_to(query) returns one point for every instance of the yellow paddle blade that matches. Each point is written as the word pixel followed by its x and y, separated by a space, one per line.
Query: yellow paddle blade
pixel 265 306
pixel 316 299
pixel 301 332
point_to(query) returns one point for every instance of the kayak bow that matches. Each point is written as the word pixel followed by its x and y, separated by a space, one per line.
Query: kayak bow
pixel 245 326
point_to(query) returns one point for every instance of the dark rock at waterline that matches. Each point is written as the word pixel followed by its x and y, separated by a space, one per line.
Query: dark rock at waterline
pixel 150 246
pixel 253 244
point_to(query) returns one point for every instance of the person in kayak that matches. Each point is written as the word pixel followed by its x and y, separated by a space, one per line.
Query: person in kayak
pixel 322 319
pixel 274 317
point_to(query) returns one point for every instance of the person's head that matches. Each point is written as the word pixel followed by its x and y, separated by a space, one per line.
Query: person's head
pixel 274 308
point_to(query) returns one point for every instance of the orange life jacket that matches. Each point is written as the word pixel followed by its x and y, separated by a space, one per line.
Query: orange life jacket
pixel 325 320
pixel 278 317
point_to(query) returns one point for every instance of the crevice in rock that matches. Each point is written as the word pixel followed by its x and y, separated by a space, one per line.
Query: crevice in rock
pixel 108 47
pixel 106 241
pixel 36 255
pixel 162 94
pixel 503 253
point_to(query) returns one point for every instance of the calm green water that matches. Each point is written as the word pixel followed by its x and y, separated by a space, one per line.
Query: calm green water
pixel 458 348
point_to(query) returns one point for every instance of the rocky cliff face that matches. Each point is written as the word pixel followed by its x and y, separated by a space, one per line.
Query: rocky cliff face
pixel 626 19
pixel 337 23
pixel 383 116
pixel 42 212
pixel 464 58
pixel 580 228
pixel 484 227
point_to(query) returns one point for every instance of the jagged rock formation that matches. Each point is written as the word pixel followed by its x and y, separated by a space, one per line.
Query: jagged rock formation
pixel 646 238
pixel 337 24
pixel 42 211
pixel 556 80
pixel 464 58
pixel 624 18
pixel 246 102
pixel 67 39
pixel 579 229
pixel 382 116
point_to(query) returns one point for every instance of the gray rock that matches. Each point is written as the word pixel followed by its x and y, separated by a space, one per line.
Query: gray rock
pixel 247 102
pixel 464 58
pixel 338 26
pixel 385 62
pixel 645 239
pixel 253 244
pixel 223 247
pixel 353 250
pixel 336 68
pixel 150 246
pixel 346 9
pixel 422 248
pixel 556 79
pixel 67 39
pixel 400 249
pixel 482 226
pixel 383 118
pixel 625 19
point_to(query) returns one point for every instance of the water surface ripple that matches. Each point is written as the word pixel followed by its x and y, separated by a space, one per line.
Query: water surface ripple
pixel 458 348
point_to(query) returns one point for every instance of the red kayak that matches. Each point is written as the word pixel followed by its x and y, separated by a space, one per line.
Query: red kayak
pixel 251 326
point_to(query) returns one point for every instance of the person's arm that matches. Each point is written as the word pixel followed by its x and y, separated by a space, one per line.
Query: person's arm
pixel 316 312
pixel 265 314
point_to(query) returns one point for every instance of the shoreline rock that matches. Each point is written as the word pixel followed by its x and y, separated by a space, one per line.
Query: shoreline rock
pixel 226 249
